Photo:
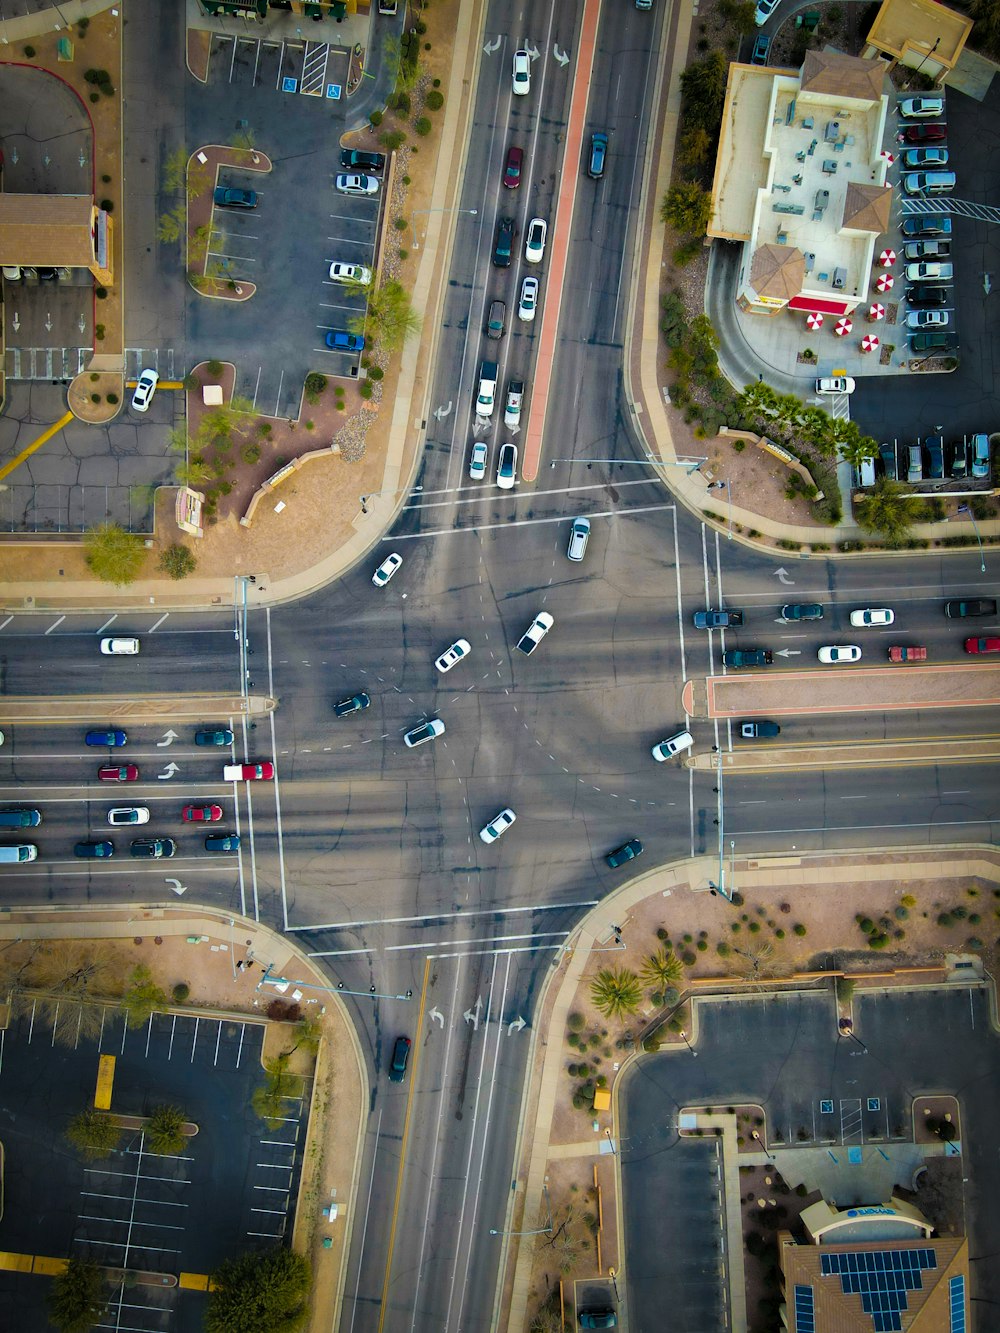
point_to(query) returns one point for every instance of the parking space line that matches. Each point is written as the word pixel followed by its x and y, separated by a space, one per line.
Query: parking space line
pixel 173 1029
pixel 218 1043
pixel 194 1039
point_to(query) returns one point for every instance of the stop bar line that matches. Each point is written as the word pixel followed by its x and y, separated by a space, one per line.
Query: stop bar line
pixel 520 523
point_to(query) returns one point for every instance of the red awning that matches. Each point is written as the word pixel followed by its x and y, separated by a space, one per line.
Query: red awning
pixel 814 303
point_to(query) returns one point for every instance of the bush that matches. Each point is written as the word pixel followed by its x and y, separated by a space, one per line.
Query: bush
pixel 575 1022
pixel 392 140
pixel 108 205
pixel 95 397
pixel 29 51
pixel 95 97
pixel 366 389
pixel 100 293
pixel 250 453
pixel 866 925
pixel 723 949
pixel 423 126
pixel 400 224
pixel 401 103
pixel 314 386
pixel 434 101
pixel 178 561
pixel 877 941
pixel 214 368
pixel 99 331
pixel 375 117
pixel 112 398
pixel 163 1130
pixel 181 992
pixel 901 913
pixel 945 919
pixel 799 929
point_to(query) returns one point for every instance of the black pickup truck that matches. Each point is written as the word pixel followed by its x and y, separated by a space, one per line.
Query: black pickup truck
pixel 717 619
pixel 747 657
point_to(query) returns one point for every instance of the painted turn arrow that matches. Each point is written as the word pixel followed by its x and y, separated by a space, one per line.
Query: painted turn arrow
pixel 516 1026
pixel 177 886
pixel 789 652
pixel 168 772
pixel 472 1016
pixel 168 739
pixel 437 1016
pixel 783 575
pixel 441 412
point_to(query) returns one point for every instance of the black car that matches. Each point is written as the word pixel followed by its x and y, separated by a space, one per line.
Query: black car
pixel 47 274
pixel 352 705
pixel 926 224
pixel 225 198
pixel 153 847
pixel 221 736
pixel 802 611
pixel 622 855
pixel 975 606
pixel 934 444
pixel 400 1055
pixel 352 159
pixel 496 325
pixel 504 244
pixel 90 850
pixel 222 842
pixel 887 452
pixel 752 731
pixel 926 296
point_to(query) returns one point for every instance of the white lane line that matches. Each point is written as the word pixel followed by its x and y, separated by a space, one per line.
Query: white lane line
pixel 863 828
pixel 364 1229
pixel 521 523
pixel 493 939
pixel 441 916
pixel 277 789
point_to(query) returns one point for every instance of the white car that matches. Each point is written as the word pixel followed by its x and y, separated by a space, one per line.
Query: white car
pixel 498 825
pixel 128 814
pixel 350 273
pixel 535 633
pixel 848 652
pixel 836 384
pixel 386 569
pixel 528 303
pixel 507 467
pixel 357 184
pixel 426 731
pixel 119 647
pixel 459 649
pixel 921 108
pixel 512 407
pixel 764 10
pixel 928 319
pixel 673 745
pixel 522 72
pixel 477 460
pixel 534 242
pixel 871 616
pixel 579 536
pixel 144 390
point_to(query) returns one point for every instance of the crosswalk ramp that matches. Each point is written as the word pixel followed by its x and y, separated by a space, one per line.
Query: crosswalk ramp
pixel 65 363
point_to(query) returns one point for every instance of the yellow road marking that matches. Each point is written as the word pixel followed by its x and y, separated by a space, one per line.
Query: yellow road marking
pixel 44 438
pixel 105 1083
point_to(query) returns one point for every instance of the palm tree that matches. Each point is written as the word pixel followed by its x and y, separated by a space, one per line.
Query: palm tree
pixel 616 992
pixel 390 316
pixel 888 509
pixel 662 970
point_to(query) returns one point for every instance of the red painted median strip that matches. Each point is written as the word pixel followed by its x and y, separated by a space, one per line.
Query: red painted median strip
pixel 558 250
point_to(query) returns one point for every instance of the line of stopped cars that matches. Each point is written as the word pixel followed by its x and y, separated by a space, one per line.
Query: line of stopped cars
pixel 925 174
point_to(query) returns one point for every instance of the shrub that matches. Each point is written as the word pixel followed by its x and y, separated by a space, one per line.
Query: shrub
pixel 901 913
pixel 178 561
pixel 375 373
pixel 366 389
pixel 723 949
pixel 575 1022
pixel 799 929
pixel 95 397
pixel 845 990
pixel 423 126
pixel 434 101
pixel 95 97
pixel 945 919
pixel 108 205
pixel 314 386
pixel 29 51
pixel 779 934
pixel 181 992
pixel 163 1130
pixel 112 398
pixel 401 103
pixel 99 331
pixel 877 941
pixel 375 117
pixel 400 224
pixel 250 453
pixel 866 925
pixel 100 293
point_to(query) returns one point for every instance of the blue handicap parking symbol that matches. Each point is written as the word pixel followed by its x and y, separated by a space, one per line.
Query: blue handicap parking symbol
pixel 289 85
pixel 334 90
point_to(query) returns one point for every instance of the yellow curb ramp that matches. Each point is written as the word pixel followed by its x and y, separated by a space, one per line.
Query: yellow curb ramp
pixel 885 754
pixel 47 710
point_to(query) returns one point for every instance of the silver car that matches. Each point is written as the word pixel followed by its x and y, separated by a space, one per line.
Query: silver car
pixel 579 536
pixel 498 825
pixel 357 184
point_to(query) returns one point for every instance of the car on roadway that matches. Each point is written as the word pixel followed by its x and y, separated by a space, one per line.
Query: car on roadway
pixel 528 304
pixel 973 606
pixel 764 10
pixel 512 407
pixel 907 653
pixel 153 848
pixel 761 49
pixel 598 155
pixel 477 460
pixel 123 815
pixel 496 325
pixel 521 73
pixel 925 133
pixel 339 340
pixel 507 466
pixel 90 850
pixel 453 655
pixel 222 842
pixel 599 1317
pixel 836 384
pixel 990 645
pixel 513 166
pixel 107 738
pixel 357 184
pixel 534 241
pixel 497 826
pixel 871 616
pixel 145 387
pixel 118 773
pixel 352 705
pixel 721 619
pixel 837 653
pixel 400 1055
pixel 503 246
pixel 628 851
pixel 217 736
pixel 802 611
pixel 758 730
pixel 672 746
pixel 929 271
pixel 224 197
pixel 340 272
pixel 926 224
pixel 255 772
pixel 579 536
pixel 426 731
pixel 354 159
pixel 535 633
pixel 201 814
pixel 927 296
pixel 920 108
pixel 386 569
pixel 119 647
pixel 925 157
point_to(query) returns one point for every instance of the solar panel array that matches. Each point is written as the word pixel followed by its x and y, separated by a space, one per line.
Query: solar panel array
pixel 881 1278
pixel 956 1295
pixel 805 1310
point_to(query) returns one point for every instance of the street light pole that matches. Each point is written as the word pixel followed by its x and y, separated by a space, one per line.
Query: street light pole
pixel 469 212
pixel 691 464
pixel 535 1231
pixel 684 1039
pixel 374 495
pixel 964 509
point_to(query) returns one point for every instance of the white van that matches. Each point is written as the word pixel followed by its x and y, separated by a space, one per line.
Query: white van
pixel 865 473
pixel 25 852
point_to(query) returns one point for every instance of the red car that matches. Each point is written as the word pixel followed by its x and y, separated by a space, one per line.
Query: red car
pixel 982 645
pixel 925 133
pixel 248 772
pixel 512 167
pixel 207 814
pixel 907 654
pixel 118 773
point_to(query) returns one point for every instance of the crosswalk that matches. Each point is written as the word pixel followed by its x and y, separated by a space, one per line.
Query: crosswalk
pixel 65 363
pixel 946 204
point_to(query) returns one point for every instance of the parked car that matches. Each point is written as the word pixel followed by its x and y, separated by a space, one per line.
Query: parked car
pixel 91 850
pixel 521 73
pixel 512 407
pixel 339 340
pixel 201 814
pixel 764 10
pixel 927 296
pixel 354 159
pixel 144 389
pixel 887 453
pixel 926 224
pixel 477 460
pixel 925 133
pixel 579 536
pixel 534 242
pixel 512 167
pixel 929 249
pixel 535 633
pixel 600 1316
pixel 220 736
pixel 906 653
pixel 426 731
pixel 915 464
pixel 972 606
pixel 802 611
pixel 153 848
pixel 990 645
pixel 528 304
pixel 119 647
pixel 621 856
pixel 836 384
pixel 357 184
pixel 928 319
pixel 460 649
pixel 921 107
pixel 228 198
pixel 929 271
pixel 934 444
pixel 872 617
pixel 761 48
pixel 123 815
pixel 386 569
pixel 354 704
pixel 925 157
pixel 980 457
pixel 498 825
pixel 106 738
pixel 496 325
pixel 672 746
pixel 400 1055
pixel 598 155
pixel 222 842
pixel 929 182
pixel 350 273
pixel 959 458
pixel 836 653
pixel 118 773
pixel 507 466
pixel 762 730
pixel 929 343
pixel 504 244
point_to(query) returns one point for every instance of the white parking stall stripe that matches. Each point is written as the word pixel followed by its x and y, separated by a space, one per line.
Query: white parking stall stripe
pixel 218 1043
pixel 194 1039
pixel 173 1029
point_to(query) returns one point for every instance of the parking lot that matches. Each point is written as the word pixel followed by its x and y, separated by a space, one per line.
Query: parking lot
pixel 231 1188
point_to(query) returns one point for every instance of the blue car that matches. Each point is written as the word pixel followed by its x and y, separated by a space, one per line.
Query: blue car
pixel 107 738
pixel 223 736
pixel 222 842
pixel 345 342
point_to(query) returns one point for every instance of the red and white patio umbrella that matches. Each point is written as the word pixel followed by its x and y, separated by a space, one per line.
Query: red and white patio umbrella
pixel 876 311
pixel 889 157
pixel 869 342
pixel 843 327
pixel 885 282
pixel 887 258
pixel 814 320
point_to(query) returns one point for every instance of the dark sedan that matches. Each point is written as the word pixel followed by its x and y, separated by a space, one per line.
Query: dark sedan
pixel 353 159
pixel 352 705
pixel 234 198
pixel 223 736
pixel 622 855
